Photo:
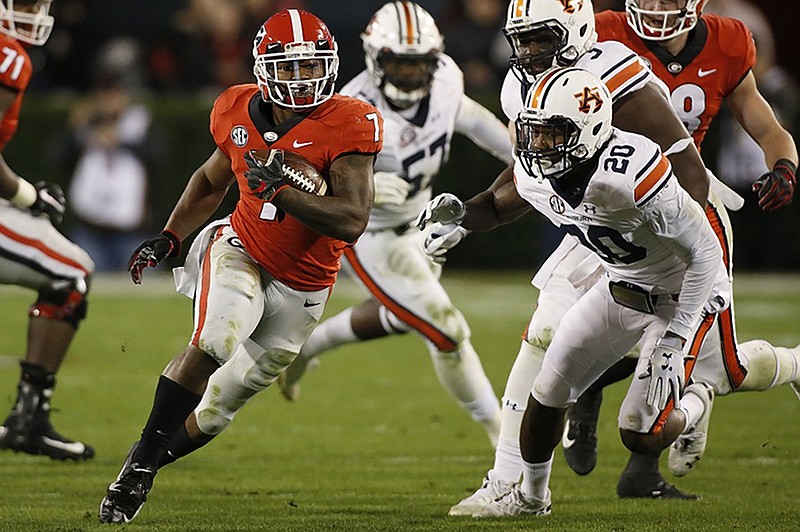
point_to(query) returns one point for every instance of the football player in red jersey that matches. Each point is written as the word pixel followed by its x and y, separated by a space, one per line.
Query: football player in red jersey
pixel 704 59
pixel 34 254
pixel 261 277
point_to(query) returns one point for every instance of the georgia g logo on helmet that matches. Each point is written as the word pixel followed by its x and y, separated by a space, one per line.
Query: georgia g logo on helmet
pixel 589 100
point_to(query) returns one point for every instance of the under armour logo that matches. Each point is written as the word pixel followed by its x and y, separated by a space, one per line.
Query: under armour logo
pixel 589 209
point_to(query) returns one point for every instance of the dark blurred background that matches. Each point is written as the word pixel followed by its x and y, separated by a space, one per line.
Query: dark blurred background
pixel 155 66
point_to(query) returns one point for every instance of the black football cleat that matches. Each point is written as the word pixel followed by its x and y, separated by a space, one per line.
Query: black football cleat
pixel 126 495
pixel 650 487
pixel 579 441
pixel 27 429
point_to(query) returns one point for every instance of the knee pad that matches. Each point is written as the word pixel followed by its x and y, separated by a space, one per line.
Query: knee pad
pixel 66 304
pixel 551 390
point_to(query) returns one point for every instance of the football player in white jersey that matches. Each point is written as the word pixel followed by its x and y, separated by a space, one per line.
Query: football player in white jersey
pixel 420 93
pixel 616 193
pixel 544 34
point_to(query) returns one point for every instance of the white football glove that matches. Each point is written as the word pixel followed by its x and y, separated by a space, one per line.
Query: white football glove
pixel 390 188
pixel 441 238
pixel 666 373
pixel 444 208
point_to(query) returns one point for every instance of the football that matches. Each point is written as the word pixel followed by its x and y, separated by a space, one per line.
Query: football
pixel 299 172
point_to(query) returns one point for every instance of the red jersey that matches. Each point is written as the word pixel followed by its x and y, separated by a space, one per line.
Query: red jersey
pixel 718 55
pixel 15 74
pixel 290 251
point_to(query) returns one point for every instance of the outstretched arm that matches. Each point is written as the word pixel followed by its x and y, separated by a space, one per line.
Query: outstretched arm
pixel 499 205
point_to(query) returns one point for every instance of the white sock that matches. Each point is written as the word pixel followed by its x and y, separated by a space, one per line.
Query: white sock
pixel 536 480
pixel 507 461
pixel 507 457
pixel 331 333
pixel 461 373
pixel 692 407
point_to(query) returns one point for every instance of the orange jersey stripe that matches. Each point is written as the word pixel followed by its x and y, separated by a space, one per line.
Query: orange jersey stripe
pixel 694 351
pixel 623 76
pixel 442 342
pixel 730 354
pixel 39 245
pixel 202 297
pixel 653 178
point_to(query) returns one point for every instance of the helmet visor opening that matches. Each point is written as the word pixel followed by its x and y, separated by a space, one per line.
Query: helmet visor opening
pixel 408 72
pixel 543 146
pixel 536 49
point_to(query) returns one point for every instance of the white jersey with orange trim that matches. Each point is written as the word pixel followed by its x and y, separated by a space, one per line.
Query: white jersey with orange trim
pixel 417 141
pixel 620 68
pixel 634 216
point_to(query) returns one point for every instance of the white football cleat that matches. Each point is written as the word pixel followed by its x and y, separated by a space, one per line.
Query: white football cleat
pixel 514 503
pixel 487 493
pixel 688 448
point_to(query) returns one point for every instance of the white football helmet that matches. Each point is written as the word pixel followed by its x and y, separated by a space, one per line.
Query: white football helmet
pixel 661 20
pixel 29 21
pixel 547 33
pixel 565 120
pixel 401 47
pixel 287 44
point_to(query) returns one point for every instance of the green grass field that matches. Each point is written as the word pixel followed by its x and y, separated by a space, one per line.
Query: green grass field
pixel 374 443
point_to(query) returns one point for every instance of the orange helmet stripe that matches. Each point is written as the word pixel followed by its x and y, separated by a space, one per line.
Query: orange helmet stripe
pixel 410 31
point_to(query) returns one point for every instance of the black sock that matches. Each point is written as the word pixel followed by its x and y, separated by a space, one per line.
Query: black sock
pixel 620 370
pixel 171 405
pixel 37 376
pixel 642 465
pixel 180 445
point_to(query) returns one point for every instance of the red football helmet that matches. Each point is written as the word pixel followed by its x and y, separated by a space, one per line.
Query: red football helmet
pixel 28 21
pixel 296 60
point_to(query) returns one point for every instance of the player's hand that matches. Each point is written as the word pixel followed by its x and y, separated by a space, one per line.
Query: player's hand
pixel 390 188
pixel 444 208
pixel 151 252
pixel 442 238
pixel 265 178
pixel 50 200
pixel 776 188
pixel 666 372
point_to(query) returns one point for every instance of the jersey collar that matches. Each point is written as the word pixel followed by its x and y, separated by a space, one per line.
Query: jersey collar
pixel 694 45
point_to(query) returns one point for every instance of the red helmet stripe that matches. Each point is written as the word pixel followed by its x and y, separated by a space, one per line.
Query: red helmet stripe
pixel 297 25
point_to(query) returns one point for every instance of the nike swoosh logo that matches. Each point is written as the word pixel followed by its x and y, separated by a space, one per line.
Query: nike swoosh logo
pixel 296 144
pixel 703 73
pixel 566 441
pixel 308 303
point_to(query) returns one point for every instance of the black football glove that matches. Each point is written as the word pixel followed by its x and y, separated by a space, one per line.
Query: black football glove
pixel 50 200
pixel 151 252
pixel 775 188
pixel 265 178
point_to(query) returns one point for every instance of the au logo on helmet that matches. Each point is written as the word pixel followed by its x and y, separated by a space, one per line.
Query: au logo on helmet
pixel 589 100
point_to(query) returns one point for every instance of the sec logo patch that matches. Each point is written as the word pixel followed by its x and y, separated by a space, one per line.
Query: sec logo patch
pixel 239 136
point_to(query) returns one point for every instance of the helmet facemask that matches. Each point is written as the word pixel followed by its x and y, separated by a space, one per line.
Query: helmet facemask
pixel 548 147
pixel 656 24
pixel 299 77
pixel 29 22
pixel 538 48
pixel 405 79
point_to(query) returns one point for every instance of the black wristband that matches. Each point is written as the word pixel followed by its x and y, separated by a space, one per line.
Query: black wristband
pixel 175 241
pixel 788 165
